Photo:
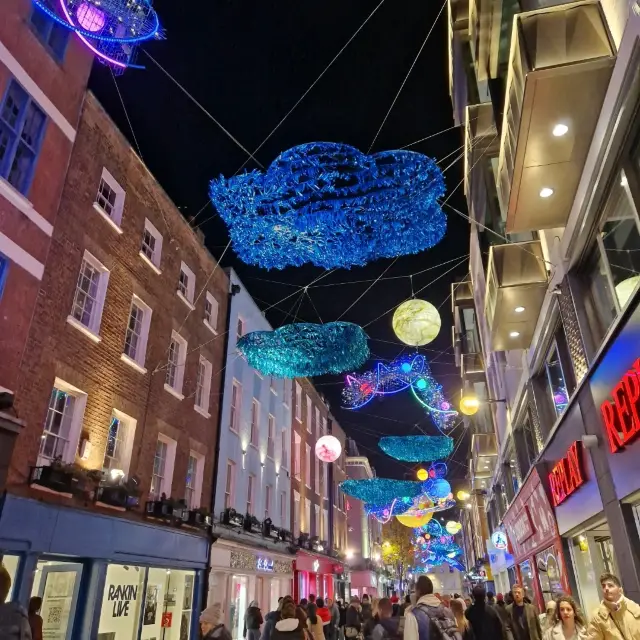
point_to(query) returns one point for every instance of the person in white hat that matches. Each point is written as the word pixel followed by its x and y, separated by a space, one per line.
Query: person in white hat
pixel 212 625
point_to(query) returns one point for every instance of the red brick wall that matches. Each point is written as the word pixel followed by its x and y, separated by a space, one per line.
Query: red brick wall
pixel 57 349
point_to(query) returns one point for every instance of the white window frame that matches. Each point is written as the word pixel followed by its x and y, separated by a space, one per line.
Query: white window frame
pixel 297 452
pixel 324 535
pixel 93 330
pixel 202 407
pixel 324 426
pixel 212 322
pixel 316 475
pixel 318 522
pixel 284 458
pixel 235 409
pixel 296 514
pixel 169 464
pixel 251 494
pixel 317 423
pixel 307 516
pixel 115 217
pixel 127 442
pixel 141 355
pixel 271 436
pixel 196 495
pixel 156 257
pixel 309 413
pixel 325 481
pixel 283 509
pixel 240 328
pixel 268 500
pixel 230 485
pixel 254 426
pixel 176 389
pixel 298 402
pixel 190 288
pixel 307 465
pixel 75 423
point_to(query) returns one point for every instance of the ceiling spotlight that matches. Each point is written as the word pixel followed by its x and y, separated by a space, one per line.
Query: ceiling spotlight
pixel 559 130
pixel 519 309
pixel 623 181
pixel 546 192
pixel 514 334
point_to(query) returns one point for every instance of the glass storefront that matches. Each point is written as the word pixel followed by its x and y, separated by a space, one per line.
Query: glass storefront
pixel 526 574
pixel 238 604
pixel 549 574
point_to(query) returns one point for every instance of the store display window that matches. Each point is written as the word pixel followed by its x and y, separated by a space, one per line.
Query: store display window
pixel 122 602
pixel 549 574
pixel 526 575
pixel 238 605
pixel 11 563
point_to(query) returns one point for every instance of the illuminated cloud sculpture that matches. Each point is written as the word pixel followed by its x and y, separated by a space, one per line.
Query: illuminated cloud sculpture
pixel 333 206
pixel 305 349
pixel 403 373
pixel 381 491
pixel 111 29
pixel 417 448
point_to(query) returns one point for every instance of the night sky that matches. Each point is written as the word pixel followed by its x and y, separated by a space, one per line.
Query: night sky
pixel 247 63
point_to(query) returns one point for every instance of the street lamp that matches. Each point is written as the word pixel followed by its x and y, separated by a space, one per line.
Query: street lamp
pixel 463 495
pixel 470 403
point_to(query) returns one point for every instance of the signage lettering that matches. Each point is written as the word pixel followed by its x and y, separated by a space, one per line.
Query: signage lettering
pixel 316 566
pixel 122 595
pixel 264 564
pixel 499 540
pixel 522 526
pixel 567 475
pixel 621 414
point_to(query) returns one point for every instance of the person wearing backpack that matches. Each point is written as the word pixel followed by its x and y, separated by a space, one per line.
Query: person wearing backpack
pixel 429 619
pixel 14 621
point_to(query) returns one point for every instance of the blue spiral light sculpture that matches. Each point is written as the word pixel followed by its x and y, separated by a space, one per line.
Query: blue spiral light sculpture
pixel 305 349
pixel 333 206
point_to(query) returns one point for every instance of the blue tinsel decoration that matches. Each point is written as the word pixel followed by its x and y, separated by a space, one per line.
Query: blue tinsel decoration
pixel 333 206
pixel 305 349
pixel 437 488
pixel 380 491
pixel 417 448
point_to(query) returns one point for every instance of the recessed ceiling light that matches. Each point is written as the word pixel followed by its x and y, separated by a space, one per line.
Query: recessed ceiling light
pixel 546 192
pixel 559 130
pixel 623 181
pixel 514 334
pixel 519 309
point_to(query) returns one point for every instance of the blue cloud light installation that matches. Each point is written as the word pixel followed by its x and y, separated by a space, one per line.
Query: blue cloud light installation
pixel 333 206
pixel 381 491
pixel 416 448
pixel 305 349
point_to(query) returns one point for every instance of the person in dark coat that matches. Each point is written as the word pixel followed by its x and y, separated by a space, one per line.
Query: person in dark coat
pixel 484 619
pixel 272 617
pixel 252 622
pixel 366 608
pixel 290 626
pixel 353 621
pixel 523 622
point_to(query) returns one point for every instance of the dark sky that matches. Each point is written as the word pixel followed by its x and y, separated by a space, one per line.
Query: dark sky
pixel 248 63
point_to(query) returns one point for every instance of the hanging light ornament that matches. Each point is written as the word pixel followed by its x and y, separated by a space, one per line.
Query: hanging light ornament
pixel 381 491
pixel 328 448
pixel 305 349
pixel 437 489
pixel 453 527
pixel 419 514
pixel 422 474
pixel 469 405
pixel 416 322
pixel 330 205
pixel 416 448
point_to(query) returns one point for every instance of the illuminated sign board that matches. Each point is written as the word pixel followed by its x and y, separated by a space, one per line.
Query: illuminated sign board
pixel 499 540
pixel 264 564
pixel 523 526
pixel 621 413
pixel 568 475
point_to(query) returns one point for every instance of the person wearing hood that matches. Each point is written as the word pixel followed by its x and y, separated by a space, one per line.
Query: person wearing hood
pixel 482 616
pixel 252 621
pixel 289 626
pixel 617 617
pixel 272 617
pixel 353 622
pixel 429 619
pixel 14 621
pixel 211 623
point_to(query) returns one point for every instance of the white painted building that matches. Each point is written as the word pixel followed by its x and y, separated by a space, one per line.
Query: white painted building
pixel 253 474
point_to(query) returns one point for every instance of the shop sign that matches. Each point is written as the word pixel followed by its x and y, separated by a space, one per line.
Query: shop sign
pixel 523 526
pixel 499 540
pixel 316 566
pixel 568 475
pixel 621 414
pixel 264 564
pixel 121 595
pixel 167 618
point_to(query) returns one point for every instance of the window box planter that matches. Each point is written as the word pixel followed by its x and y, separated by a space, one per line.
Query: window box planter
pixel 53 478
pixel 114 496
pixel 165 510
pixel 197 518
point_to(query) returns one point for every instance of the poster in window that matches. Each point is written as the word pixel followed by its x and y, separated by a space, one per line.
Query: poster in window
pixel 187 601
pixel 56 603
pixel 184 625
pixel 150 605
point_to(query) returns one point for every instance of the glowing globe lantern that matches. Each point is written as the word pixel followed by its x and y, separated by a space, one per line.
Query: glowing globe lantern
pixel 469 405
pixel 414 522
pixel 328 449
pixel 453 527
pixel 417 516
pixel 422 474
pixel 463 495
pixel 416 322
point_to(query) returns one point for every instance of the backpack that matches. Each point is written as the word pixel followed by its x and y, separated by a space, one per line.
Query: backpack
pixel 442 620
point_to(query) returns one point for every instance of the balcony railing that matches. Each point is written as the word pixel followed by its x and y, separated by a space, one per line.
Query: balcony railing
pixel 559 67
pixel 516 285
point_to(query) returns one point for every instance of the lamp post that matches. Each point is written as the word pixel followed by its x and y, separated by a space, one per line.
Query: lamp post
pixel 469 404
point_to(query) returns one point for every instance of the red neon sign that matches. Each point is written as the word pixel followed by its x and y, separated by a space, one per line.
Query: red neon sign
pixel 567 476
pixel 621 413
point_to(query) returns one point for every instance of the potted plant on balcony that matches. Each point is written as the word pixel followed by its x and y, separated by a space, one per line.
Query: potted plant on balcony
pixel 166 508
pixel 118 492
pixel 57 477
pixel 200 517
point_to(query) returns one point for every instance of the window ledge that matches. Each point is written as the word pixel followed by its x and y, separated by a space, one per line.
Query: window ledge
pixel 233 430
pixel 255 446
pixel 132 363
pixel 153 266
pixel 107 217
pixel 173 392
pixel 206 324
pixel 189 304
pixel 201 411
pixel 80 327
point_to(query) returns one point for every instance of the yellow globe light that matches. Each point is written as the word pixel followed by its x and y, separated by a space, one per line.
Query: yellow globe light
pixel 414 522
pixel 422 474
pixel 469 405
pixel 463 495
pixel 453 527
pixel 416 322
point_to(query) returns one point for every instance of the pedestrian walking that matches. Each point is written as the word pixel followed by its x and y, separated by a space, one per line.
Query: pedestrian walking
pixel 211 623
pixel 617 617
pixel 252 621
pixel 388 626
pixel 35 619
pixel 272 617
pixel 566 621
pixel 14 621
pixel 458 608
pixel 290 625
pixel 523 622
pixel 482 616
pixel 353 622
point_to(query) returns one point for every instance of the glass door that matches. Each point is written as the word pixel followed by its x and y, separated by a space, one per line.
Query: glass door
pixel 57 584
pixel 238 605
